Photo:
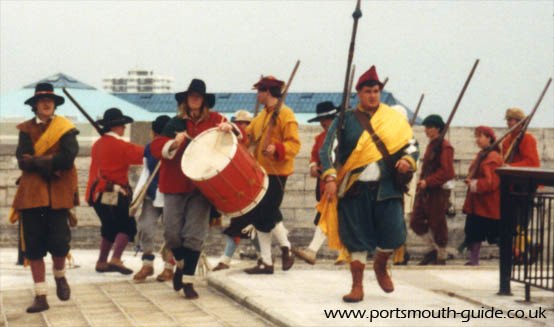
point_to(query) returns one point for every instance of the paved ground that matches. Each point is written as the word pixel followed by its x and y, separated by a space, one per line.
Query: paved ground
pixel 112 299
pixel 298 297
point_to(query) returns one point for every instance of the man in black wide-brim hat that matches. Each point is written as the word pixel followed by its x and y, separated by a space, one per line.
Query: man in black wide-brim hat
pixel 108 190
pixel 186 210
pixel 47 189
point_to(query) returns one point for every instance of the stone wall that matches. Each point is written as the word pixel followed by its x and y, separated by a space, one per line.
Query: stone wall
pixel 299 201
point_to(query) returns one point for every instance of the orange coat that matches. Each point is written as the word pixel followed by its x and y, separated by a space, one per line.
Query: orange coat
pixel 60 192
pixel 527 155
pixel 484 200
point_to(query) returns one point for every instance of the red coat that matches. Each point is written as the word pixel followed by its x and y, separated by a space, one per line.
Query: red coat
pixel 485 201
pixel 110 161
pixel 527 154
pixel 172 180
pixel 319 139
pixel 442 167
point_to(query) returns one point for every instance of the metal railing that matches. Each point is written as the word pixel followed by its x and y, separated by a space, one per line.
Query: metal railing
pixel 526 229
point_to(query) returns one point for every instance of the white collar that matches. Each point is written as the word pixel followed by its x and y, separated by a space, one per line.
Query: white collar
pixel 115 135
pixel 39 121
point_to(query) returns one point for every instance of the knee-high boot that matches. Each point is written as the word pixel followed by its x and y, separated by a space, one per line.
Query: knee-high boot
pixel 380 268
pixel 357 292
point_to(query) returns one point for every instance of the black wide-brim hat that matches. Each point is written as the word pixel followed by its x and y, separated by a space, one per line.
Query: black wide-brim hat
pixel 114 117
pixel 45 90
pixel 324 110
pixel 196 86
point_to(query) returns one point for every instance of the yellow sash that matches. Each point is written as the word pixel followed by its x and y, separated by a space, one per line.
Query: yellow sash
pixel 58 127
pixel 395 132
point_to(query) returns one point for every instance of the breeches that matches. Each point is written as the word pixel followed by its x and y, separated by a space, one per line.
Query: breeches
pixel 430 213
pixel 116 219
pixel 186 220
pixel 147 223
pixel 45 230
pixel 365 223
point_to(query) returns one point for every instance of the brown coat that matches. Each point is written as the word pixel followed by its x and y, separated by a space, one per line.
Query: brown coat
pixel 60 191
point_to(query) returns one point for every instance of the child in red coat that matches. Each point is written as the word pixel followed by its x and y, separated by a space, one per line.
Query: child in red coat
pixel 482 204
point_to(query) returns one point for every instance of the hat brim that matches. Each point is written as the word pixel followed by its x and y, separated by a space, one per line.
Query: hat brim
pixel 319 118
pixel 118 122
pixel 209 98
pixel 58 100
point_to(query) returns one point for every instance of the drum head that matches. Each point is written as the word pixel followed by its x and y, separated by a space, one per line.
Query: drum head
pixel 208 154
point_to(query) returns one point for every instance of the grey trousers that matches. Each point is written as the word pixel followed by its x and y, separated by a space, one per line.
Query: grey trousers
pixel 186 220
pixel 146 224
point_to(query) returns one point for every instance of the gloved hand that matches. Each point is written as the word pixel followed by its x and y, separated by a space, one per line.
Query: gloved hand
pixel 44 166
pixel 27 163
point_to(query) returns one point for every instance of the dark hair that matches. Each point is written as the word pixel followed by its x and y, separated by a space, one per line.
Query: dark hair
pixel 34 107
pixel 369 83
pixel 275 91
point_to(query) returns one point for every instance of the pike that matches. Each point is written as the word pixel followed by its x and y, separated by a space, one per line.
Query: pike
pixel 414 117
pixel 438 145
pixel 346 91
pixel 509 156
pixel 93 123
pixel 273 120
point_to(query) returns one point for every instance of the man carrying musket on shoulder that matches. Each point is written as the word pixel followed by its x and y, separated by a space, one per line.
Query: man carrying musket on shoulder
pixel 275 153
pixel 47 189
pixel 186 210
pixel 431 204
pixel 526 155
pixel 109 192
pixel 368 214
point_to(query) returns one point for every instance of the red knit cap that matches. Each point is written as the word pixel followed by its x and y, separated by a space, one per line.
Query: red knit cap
pixel 486 131
pixel 267 82
pixel 370 75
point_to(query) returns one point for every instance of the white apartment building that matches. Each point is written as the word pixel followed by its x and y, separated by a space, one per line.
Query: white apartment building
pixel 138 81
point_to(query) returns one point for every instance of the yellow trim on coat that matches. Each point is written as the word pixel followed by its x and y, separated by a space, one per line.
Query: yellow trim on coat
pixel 57 128
pixel 395 132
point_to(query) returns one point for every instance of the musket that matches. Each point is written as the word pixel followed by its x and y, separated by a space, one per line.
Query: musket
pixel 347 104
pixel 509 156
pixel 94 124
pixel 414 117
pixel 275 114
pixel 385 82
pixel 257 105
pixel 484 153
pixel 346 92
pixel 438 145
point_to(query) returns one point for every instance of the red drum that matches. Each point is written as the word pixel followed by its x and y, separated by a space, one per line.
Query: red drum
pixel 224 172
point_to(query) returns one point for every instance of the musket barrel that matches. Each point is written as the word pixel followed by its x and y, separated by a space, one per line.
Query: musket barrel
pixel 98 129
pixel 459 98
pixel 414 117
pixel 509 157
pixel 356 15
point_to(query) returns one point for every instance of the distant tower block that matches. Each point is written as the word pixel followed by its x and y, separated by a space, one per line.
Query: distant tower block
pixel 138 81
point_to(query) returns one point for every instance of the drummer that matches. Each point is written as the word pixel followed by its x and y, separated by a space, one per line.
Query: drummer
pixel 186 210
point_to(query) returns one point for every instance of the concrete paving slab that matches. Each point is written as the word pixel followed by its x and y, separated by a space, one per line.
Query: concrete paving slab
pixel 303 295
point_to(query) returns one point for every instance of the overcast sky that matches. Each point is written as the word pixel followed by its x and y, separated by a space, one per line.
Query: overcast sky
pixel 422 46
